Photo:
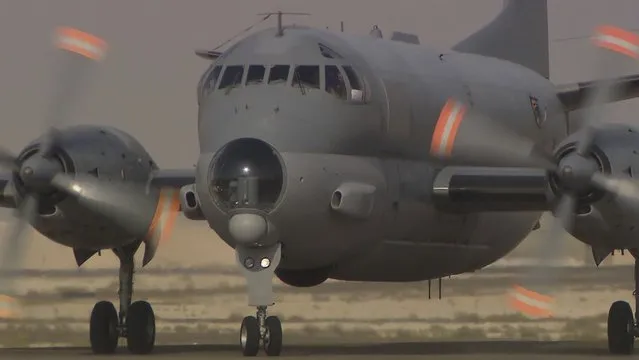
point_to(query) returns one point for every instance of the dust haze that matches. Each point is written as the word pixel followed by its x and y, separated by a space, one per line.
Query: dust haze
pixel 146 86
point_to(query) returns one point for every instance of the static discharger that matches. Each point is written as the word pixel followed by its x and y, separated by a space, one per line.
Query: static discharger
pixel 531 303
pixel 617 40
pixel 81 43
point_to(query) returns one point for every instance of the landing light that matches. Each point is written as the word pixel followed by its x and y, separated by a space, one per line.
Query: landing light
pixel 265 263
pixel 249 263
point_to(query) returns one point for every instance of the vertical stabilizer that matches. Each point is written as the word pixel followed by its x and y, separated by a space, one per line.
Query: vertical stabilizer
pixel 518 34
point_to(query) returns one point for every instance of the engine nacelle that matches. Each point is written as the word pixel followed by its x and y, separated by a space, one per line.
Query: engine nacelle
pixel 109 155
pixel 474 188
pixel 190 204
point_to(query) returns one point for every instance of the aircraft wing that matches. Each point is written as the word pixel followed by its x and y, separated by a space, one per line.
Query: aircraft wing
pixel 174 178
pixel 573 95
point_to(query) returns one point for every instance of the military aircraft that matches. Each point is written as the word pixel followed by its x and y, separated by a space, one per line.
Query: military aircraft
pixel 90 188
pixel 327 155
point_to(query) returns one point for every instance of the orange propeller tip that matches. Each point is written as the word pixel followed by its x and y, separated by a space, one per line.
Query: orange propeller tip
pixel 6 298
pixel 81 43
pixel 8 307
pixel 530 303
pixel 618 40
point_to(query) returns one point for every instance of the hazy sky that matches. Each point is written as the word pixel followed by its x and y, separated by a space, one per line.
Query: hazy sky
pixel 146 86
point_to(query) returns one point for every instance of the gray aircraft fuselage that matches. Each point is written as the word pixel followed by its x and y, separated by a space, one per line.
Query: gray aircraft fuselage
pixel 381 138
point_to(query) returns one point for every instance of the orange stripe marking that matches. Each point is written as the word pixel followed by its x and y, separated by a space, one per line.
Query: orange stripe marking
pixel 81 43
pixel 446 128
pixel 453 132
pixel 440 126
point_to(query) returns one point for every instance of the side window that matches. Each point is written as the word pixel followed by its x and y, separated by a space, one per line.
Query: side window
pixel 209 82
pixel 335 82
pixel 232 77
pixel 357 90
pixel 278 74
pixel 328 52
pixel 306 77
pixel 255 74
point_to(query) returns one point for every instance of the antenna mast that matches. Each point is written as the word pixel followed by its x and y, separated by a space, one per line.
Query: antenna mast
pixel 280 27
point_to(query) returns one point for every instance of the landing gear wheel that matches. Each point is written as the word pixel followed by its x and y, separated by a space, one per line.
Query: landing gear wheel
pixel 273 336
pixel 621 325
pixel 140 328
pixel 103 328
pixel 250 336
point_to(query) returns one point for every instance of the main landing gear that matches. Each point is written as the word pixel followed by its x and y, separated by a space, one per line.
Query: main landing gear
pixel 622 323
pixel 258 267
pixel 135 321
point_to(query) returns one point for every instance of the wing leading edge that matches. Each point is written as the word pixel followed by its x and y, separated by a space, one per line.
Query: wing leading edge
pixel 573 96
pixel 173 178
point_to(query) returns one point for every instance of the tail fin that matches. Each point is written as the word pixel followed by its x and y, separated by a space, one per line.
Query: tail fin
pixel 518 34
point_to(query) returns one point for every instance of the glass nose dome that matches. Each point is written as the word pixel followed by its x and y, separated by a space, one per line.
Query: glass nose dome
pixel 247 173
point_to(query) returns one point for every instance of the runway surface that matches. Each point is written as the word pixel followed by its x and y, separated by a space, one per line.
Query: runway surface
pixel 434 350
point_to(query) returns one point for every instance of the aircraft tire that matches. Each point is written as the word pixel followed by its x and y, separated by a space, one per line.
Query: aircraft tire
pixel 621 325
pixel 140 328
pixel 250 336
pixel 273 339
pixel 103 328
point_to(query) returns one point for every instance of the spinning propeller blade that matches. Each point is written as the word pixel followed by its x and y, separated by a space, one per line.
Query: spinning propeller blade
pixel 577 171
pixel 80 51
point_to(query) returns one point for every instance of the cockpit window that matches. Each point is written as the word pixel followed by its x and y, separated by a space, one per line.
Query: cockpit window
pixel 306 77
pixel 278 74
pixel 328 52
pixel 335 84
pixel 232 76
pixel 255 74
pixel 357 91
pixel 211 80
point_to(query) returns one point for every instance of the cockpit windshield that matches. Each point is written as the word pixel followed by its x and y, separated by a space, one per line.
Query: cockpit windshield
pixel 335 84
pixel 232 76
pixel 341 81
pixel 306 77
pixel 255 74
pixel 278 74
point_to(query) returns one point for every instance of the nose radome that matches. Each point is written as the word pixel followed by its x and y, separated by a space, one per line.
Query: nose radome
pixel 247 173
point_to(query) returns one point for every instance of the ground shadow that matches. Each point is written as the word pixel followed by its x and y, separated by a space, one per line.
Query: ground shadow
pixel 397 348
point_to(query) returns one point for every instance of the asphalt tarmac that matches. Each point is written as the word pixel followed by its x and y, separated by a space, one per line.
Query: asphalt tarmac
pixel 434 350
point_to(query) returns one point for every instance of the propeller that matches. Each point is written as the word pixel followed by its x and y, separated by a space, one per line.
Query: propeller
pixel 577 173
pixel 80 51
pixel 482 141
pixel 125 205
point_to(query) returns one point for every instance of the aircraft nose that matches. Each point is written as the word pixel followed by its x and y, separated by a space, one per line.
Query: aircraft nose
pixel 247 173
